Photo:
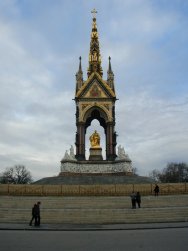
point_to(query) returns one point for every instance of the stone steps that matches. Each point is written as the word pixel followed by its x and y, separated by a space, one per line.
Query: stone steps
pixel 97 215
pixel 95 209
pixel 92 201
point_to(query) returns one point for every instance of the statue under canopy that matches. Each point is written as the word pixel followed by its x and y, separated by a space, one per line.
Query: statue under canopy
pixel 95 140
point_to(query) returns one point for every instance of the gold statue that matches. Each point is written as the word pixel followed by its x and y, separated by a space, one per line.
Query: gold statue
pixel 95 140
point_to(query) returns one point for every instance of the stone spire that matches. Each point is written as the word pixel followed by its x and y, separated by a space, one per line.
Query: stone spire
pixel 110 76
pixel 79 76
pixel 94 54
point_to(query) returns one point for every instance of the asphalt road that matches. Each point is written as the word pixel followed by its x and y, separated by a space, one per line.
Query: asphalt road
pixel 173 239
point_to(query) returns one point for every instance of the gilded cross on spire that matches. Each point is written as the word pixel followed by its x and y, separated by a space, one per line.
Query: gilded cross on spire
pixel 94 54
pixel 94 12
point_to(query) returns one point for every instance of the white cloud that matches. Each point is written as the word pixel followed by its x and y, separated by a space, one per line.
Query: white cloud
pixel 39 50
pixel 155 131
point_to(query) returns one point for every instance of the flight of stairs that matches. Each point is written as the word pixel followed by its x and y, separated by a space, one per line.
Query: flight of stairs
pixel 95 209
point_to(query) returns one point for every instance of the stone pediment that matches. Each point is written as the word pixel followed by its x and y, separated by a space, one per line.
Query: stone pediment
pixel 95 91
pixel 95 87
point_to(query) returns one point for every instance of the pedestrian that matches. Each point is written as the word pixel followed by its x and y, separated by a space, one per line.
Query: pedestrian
pixel 38 213
pixel 133 200
pixel 138 199
pixel 156 190
pixel 34 215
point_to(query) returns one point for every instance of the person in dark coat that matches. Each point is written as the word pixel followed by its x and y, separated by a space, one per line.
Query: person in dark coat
pixel 34 215
pixel 138 199
pixel 156 190
pixel 38 214
pixel 133 200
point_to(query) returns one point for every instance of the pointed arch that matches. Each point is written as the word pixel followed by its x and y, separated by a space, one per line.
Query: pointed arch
pixel 96 112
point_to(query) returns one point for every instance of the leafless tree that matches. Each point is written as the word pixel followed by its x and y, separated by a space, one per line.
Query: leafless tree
pixel 155 175
pixel 16 175
pixel 173 172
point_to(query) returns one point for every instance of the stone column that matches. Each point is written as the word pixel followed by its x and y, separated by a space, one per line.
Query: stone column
pixel 80 141
pixel 110 142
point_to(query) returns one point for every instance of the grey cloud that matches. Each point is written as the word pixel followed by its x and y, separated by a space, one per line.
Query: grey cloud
pixel 152 132
pixel 37 81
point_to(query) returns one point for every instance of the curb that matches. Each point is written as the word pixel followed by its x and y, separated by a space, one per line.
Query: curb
pixel 116 227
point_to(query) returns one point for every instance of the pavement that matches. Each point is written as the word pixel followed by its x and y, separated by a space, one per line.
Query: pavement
pixel 91 227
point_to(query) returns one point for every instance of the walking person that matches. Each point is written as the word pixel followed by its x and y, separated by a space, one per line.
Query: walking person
pixel 38 213
pixel 156 190
pixel 138 199
pixel 133 200
pixel 34 215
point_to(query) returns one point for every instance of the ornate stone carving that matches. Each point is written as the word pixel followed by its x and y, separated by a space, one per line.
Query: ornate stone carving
pixel 95 99
pixel 84 106
pixel 66 156
pixel 72 156
pixel 121 153
pixel 107 106
pixel 116 167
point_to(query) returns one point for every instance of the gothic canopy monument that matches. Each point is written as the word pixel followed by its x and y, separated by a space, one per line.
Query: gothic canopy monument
pixel 95 99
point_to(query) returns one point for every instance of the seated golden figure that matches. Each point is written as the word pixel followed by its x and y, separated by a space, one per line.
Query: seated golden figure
pixel 95 140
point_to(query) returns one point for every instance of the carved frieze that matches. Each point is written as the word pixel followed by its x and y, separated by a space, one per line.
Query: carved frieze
pixel 107 106
pixel 84 106
pixel 75 167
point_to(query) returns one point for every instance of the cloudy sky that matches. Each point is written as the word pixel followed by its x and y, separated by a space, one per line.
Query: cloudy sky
pixel 40 43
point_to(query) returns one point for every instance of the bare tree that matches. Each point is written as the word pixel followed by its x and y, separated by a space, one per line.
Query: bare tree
pixel 155 175
pixel 173 172
pixel 16 175
pixel 135 171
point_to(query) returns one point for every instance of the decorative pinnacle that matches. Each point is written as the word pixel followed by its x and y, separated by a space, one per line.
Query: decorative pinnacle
pixel 80 65
pixel 94 12
pixel 94 54
pixel 110 69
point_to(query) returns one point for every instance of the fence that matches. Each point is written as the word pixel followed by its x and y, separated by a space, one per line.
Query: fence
pixel 91 190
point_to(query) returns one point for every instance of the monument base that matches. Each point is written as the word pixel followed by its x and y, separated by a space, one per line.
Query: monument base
pixel 74 167
pixel 93 179
pixel 95 154
pixel 122 165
